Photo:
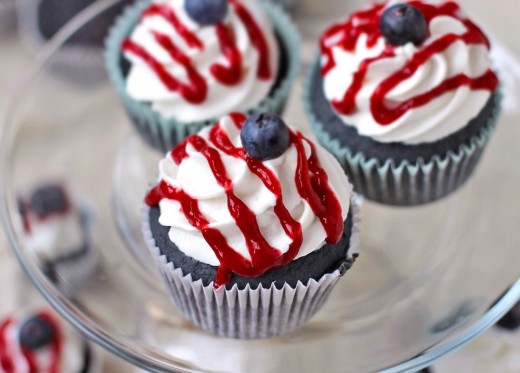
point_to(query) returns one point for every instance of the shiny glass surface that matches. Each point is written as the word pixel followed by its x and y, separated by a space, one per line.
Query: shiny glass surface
pixel 429 279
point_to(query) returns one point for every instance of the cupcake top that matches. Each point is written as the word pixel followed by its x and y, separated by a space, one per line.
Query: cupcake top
pixel 195 60
pixel 407 71
pixel 250 194
pixel 38 343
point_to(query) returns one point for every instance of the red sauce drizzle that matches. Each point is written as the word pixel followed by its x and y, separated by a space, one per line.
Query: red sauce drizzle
pixel 312 184
pixel 179 152
pixel 196 91
pixel 27 212
pixel 257 37
pixel 6 361
pixel 169 15
pixel 24 214
pixel 363 22
pixel 192 93
pixel 367 22
pixel 227 75
pixel 198 86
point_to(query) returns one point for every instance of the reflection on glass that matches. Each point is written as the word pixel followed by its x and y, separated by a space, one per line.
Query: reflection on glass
pixel 57 231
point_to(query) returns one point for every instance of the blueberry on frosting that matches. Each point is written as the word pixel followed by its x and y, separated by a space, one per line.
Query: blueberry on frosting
pixel 265 136
pixel 36 333
pixel 206 12
pixel 401 24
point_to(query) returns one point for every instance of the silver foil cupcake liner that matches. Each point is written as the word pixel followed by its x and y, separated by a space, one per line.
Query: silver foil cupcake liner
pixel 250 313
pixel 405 183
pixel 164 133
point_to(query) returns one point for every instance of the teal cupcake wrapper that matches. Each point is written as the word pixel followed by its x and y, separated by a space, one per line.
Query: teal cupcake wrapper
pixel 404 183
pixel 164 133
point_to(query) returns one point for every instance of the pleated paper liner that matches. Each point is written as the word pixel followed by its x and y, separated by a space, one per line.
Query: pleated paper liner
pixel 250 313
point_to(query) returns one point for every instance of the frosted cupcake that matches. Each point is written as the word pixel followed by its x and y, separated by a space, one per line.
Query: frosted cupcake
pixel 251 225
pixel 405 97
pixel 80 60
pixel 58 233
pixel 179 65
pixel 39 342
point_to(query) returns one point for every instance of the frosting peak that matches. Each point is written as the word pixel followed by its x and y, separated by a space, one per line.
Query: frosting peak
pixel 247 216
pixel 410 94
pixel 193 72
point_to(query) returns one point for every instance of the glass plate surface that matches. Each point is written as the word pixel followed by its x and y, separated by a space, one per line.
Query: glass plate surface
pixel 427 281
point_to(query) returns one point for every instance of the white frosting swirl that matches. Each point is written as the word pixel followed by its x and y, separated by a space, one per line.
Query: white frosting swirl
pixel 195 177
pixel 440 117
pixel 143 84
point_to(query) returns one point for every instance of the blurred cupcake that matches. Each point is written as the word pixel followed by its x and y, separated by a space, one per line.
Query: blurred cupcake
pixel 39 342
pixel 404 96
pixel 179 65
pixel 80 60
pixel 252 226
pixel 7 21
pixel 57 232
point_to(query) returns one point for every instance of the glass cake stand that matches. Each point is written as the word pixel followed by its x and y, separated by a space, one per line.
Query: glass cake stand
pixel 429 278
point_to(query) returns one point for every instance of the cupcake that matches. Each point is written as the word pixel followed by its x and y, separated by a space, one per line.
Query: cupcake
pixel 39 342
pixel 58 233
pixel 251 225
pixel 179 65
pixel 80 60
pixel 405 97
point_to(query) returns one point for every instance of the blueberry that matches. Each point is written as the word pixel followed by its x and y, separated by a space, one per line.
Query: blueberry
pixel 49 199
pixel 36 333
pixel 403 23
pixel 206 12
pixel 265 136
